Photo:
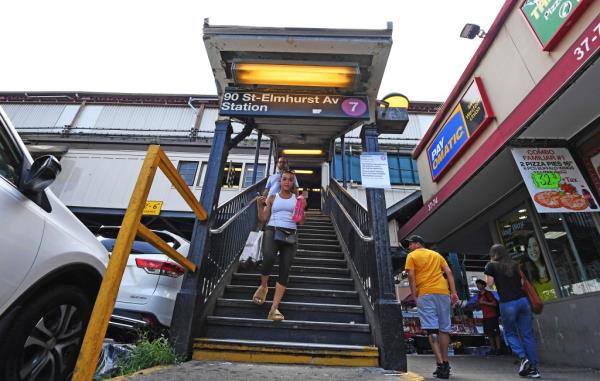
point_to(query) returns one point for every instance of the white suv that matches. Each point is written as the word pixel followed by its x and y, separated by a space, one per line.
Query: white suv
pixel 51 267
pixel 150 282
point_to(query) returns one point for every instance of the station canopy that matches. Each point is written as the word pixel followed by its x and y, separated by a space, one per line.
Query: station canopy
pixel 301 87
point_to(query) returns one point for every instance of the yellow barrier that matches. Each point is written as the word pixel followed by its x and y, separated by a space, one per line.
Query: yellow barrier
pixel 131 226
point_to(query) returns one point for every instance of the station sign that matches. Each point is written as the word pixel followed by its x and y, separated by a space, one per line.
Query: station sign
pixel 549 20
pixel 242 103
pixel 467 120
pixel 553 180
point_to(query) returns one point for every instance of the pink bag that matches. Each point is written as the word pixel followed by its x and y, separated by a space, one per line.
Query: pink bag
pixel 299 209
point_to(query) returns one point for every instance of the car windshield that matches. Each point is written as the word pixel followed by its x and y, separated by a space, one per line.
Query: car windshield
pixel 139 247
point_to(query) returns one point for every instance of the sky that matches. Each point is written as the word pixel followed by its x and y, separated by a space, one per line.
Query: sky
pixel 133 46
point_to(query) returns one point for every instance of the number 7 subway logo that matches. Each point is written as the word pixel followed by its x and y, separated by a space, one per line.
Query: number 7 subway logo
pixel 447 143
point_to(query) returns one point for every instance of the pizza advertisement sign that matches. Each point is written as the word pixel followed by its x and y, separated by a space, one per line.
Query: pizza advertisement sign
pixel 554 181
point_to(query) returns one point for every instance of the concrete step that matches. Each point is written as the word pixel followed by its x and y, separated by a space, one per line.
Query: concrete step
pixel 337 313
pixel 302 235
pixel 297 295
pixel 296 281
pixel 257 351
pixel 307 253
pixel 219 327
pixel 314 271
pixel 303 240
pixel 320 247
pixel 321 262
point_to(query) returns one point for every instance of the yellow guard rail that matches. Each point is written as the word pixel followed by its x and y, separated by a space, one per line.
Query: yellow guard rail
pixel 131 226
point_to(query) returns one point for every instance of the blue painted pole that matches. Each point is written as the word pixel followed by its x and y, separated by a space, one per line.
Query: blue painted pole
pixel 189 304
pixel 256 156
pixel 344 179
pixel 388 331
pixel 334 175
pixel 270 157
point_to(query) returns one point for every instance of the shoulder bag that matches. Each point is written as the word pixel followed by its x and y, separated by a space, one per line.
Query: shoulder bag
pixel 537 304
pixel 285 235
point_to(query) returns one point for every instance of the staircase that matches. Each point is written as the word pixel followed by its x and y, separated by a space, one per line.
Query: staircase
pixel 324 321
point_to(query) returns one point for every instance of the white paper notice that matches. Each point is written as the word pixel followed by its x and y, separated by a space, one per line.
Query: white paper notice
pixel 554 180
pixel 374 171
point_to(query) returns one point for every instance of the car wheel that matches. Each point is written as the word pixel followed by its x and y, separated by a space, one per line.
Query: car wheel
pixel 43 342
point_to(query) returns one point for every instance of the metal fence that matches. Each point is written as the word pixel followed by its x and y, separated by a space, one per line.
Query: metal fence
pixel 234 220
pixel 352 223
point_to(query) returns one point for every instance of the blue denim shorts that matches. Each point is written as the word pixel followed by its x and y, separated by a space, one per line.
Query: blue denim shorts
pixel 435 312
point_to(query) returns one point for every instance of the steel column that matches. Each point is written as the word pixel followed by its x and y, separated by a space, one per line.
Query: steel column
pixel 389 331
pixel 188 305
pixel 256 155
pixel 333 161
pixel 270 157
pixel 344 181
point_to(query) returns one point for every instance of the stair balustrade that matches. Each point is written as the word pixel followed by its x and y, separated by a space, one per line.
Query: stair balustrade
pixel 352 223
pixel 232 224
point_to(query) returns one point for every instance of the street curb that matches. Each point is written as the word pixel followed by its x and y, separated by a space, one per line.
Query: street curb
pixel 411 376
pixel 140 373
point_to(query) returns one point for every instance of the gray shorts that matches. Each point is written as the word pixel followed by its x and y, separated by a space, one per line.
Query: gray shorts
pixel 435 312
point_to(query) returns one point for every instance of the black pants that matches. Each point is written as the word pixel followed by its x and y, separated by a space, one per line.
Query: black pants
pixel 270 247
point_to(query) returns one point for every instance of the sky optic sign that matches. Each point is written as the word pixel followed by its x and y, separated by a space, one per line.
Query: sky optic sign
pixel 257 104
pixel 467 120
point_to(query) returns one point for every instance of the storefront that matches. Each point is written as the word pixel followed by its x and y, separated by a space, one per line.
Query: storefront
pixel 513 157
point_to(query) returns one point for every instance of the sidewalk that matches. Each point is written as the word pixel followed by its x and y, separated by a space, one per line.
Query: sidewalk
pixel 464 368
pixel 495 368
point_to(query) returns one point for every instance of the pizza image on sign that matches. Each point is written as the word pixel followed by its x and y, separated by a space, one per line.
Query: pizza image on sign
pixel 573 201
pixel 553 180
pixel 549 199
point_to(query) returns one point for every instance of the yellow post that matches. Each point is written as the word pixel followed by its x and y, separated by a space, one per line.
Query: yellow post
pixel 94 336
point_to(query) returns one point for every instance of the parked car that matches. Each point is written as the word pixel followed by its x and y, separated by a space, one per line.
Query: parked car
pixel 51 267
pixel 150 282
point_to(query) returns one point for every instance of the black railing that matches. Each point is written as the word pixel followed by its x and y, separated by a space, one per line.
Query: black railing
pixel 352 223
pixel 233 222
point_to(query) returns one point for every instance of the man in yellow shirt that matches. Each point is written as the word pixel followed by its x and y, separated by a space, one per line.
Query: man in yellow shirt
pixel 435 295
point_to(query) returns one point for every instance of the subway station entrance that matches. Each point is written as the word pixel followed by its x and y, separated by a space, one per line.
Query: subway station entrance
pixel 302 88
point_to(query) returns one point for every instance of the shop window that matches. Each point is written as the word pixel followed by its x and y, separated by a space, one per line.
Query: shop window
pixel 574 245
pixel 517 234
pixel 352 167
pixel 187 170
pixel 402 169
pixel 232 175
pixel 260 173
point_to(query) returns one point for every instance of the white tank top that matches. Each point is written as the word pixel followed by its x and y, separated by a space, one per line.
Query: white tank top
pixel 282 212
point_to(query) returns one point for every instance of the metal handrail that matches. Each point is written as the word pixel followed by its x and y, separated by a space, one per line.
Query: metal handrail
pixel 363 237
pixel 220 229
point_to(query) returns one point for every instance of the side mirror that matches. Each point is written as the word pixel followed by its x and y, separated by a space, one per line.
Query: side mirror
pixel 41 174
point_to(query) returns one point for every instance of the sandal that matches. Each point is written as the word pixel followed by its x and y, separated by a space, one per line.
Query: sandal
pixel 275 315
pixel 260 295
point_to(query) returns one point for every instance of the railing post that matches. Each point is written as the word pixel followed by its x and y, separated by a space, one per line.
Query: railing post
pixel 344 181
pixel 389 330
pixel 188 303
pixel 256 155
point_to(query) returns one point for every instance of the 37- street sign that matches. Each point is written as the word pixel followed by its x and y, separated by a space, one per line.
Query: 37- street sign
pixel 266 104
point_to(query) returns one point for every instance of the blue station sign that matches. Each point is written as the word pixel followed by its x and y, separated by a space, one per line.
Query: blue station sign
pixel 242 103
pixel 467 120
